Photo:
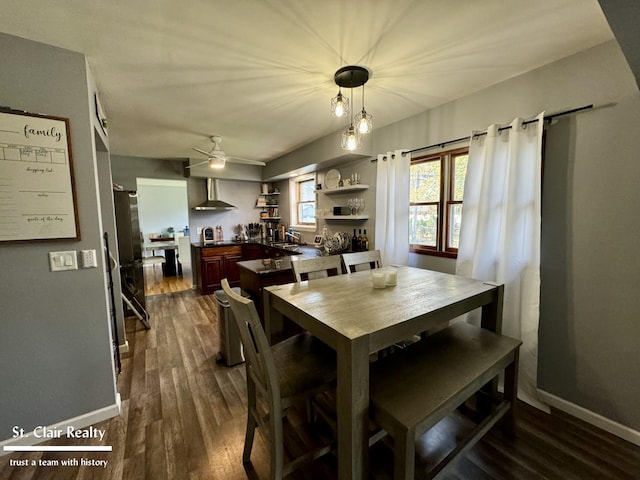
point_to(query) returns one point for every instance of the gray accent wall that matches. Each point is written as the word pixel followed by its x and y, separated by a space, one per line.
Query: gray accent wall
pixel 589 328
pixel 55 346
pixel 242 194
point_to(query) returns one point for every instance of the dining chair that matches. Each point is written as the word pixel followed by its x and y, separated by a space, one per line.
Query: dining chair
pixel 278 376
pixel 316 267
pixel 370 259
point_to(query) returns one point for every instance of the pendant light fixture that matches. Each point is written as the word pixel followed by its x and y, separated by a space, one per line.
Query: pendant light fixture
pixel 364 120
pixel 350 137
pixel 339 105
pixel 351 76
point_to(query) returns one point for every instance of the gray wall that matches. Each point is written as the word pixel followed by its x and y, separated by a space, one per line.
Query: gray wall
pixel 242 194
pixel 55 346
pixel 589 329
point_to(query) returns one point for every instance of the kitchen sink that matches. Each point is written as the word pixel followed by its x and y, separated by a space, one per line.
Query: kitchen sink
pixel 287 245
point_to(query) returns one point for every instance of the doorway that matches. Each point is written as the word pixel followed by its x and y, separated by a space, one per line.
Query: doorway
pixel 164 214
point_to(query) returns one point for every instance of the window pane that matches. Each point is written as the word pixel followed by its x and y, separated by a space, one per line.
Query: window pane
pixel 459 173
pixel 423 225
pixel 306 213
pixel 425 182
pixel 306 191
pixel 455 217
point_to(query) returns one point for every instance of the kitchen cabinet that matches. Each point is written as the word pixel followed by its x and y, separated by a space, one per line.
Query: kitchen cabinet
pixel 253 251
pixel 256 274
pixel 212 264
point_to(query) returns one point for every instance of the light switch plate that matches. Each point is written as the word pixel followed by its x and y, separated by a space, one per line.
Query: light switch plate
pixel 59 261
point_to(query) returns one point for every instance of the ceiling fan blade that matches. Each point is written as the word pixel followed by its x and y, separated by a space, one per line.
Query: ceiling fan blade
pixel 246 161
pixel 198 164
pixel 204 152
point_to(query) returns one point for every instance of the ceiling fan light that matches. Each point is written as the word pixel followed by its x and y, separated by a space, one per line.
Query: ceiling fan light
pixel 339 105
pixel 350 139
pixel 364 122
pixel 216 162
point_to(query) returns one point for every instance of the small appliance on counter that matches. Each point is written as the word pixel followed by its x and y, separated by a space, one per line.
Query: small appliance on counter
pixel 208 236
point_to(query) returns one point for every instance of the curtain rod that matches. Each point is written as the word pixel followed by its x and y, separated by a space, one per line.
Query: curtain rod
pixel 547 118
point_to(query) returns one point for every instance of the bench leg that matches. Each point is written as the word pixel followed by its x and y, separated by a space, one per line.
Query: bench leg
pixel 511 393
pixel 404 455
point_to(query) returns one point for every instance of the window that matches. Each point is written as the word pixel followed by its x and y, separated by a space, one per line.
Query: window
pixel 303 201
pixel 435 196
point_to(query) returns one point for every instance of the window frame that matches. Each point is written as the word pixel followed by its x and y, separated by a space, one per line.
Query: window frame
pixel 295 186
pixel 447 176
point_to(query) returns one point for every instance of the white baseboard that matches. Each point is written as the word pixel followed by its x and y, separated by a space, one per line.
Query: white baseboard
pixel 592 418
pixel 124 348
pixel 81 421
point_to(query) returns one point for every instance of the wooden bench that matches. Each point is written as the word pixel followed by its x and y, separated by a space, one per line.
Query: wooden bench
pixel 415 388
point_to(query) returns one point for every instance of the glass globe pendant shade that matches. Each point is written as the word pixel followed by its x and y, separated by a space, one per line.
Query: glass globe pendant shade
pixel 364 122
pixel 350 139
pixel 339 105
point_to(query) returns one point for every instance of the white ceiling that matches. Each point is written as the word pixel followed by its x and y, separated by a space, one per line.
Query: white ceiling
pixel 260 72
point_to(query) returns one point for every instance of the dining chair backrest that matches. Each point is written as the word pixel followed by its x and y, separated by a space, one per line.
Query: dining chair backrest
pixel 362 260
pixel 316 267
pixel 261 367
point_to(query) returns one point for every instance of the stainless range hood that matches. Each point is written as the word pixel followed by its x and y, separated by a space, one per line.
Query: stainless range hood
pixel 212 202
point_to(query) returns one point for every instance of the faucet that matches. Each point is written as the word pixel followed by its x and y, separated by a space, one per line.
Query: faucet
pixel 295 236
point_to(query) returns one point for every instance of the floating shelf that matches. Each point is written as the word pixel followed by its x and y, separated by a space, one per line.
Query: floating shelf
pixel 344 217
pixel 270 219
pixel 268 194
pixel 348 188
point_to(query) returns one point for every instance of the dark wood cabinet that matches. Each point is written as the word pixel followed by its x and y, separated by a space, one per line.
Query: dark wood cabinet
pixel 215 262
pixel 253 251
pixel 212 273
pixel 231 269
pixel 212 264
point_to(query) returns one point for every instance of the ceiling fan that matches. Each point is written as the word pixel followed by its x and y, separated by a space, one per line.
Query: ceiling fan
pixel 216 158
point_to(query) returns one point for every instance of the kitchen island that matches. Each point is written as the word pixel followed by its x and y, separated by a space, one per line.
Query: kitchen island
pixel 255 275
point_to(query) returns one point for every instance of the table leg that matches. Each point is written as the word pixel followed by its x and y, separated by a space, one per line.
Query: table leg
pixel 353 409
pixel 492 312
pixel 491 320
pixel 272 318
pixel 170 262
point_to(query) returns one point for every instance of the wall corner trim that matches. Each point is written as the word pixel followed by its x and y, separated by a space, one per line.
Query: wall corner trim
pixel 592 418
pixel 81 421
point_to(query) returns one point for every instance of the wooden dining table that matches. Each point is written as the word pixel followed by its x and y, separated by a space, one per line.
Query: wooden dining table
pixel 169 248
pixel 356 320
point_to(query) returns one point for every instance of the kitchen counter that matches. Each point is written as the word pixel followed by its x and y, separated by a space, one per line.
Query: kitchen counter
pixel 267 266
pixel 213 262
pixel 290 248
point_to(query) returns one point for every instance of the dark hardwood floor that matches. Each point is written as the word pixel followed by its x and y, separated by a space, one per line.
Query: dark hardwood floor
pixel 184 416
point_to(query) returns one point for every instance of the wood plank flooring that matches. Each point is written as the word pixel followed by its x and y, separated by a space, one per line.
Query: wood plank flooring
pixel 157 284
pixel 183 418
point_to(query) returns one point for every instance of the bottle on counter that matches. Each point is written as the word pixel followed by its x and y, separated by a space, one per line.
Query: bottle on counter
pixel 359 240
pixel 354 241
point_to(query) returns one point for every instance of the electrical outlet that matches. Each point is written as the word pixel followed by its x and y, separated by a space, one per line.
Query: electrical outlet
pixel 88 258
pixel 59 261
pixel 199 230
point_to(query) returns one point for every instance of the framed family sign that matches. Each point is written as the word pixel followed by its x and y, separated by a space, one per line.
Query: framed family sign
pixel 37 196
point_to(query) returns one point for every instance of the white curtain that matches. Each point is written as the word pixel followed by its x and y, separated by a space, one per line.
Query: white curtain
pixel 392 207
pixel 500 233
